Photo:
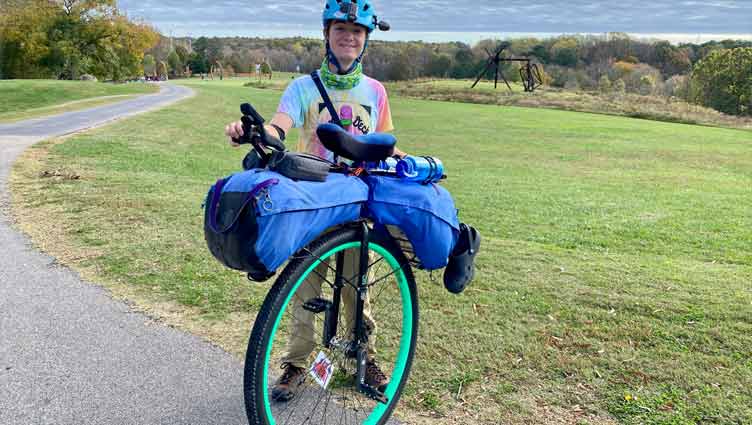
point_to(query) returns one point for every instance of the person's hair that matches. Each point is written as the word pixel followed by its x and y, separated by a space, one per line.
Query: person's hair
pixel 329 24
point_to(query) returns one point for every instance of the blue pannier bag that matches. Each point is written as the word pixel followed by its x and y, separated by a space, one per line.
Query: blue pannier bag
pixel 425 214
pixel 255 220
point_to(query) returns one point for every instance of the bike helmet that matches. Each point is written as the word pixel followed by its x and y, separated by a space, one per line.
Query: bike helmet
pixel 357 11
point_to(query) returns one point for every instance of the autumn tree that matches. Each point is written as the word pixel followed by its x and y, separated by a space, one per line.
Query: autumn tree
pixel 722 81
pixel 564 52
pixel 439 65
pixel 150 65
pixel 25 27
pixel 64 39
pixel 176 66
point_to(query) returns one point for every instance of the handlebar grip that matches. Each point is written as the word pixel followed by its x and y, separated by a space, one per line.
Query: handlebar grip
pixel 247 131
pixel 247 110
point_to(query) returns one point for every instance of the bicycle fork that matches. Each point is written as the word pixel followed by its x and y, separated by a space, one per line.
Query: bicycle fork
pixel 358 348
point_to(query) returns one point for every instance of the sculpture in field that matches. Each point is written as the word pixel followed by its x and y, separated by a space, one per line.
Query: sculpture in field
pixel 530 73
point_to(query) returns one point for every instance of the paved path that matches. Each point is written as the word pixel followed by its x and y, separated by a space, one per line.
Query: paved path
pixel 69 354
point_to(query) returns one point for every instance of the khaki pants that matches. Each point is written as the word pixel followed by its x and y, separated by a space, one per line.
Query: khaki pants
pixel 303 339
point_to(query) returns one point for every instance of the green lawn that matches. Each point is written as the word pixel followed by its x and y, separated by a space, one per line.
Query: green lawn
pixel 483 85
pixel 613 283
pixel 23 99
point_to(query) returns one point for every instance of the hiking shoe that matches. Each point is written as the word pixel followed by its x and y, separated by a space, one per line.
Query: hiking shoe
pixel 287 384
pixel 374 377
pixel 461 267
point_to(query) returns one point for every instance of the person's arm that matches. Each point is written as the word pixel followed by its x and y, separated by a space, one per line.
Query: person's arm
pixel 282 121
pixel 234 130
pixel 289 113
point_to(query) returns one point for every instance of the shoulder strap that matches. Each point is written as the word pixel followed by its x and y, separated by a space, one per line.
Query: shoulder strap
pixel 327 100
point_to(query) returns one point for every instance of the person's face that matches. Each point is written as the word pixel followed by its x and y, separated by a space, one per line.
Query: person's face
pixel 346 40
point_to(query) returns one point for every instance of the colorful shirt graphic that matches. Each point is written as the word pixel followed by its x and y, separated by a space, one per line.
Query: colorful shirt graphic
pixel 363 109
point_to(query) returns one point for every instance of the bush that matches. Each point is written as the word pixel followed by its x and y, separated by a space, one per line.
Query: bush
pixel 619 86
pixel 647 85
pixel 722 81
pixel 604 84
pixel 677 86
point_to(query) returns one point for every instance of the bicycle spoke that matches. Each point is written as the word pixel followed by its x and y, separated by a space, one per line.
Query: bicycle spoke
pixel 329 267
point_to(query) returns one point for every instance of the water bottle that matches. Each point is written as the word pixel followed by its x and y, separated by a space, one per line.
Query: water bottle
pixel 423 169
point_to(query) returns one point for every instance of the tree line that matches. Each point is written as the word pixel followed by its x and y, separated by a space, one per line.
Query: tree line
pixel 714 73
pixel 70 38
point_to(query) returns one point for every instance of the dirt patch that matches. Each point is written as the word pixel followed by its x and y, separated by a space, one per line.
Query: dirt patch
pixel 60 174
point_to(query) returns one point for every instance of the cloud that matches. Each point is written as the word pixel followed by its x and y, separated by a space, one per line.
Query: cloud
pixel 657 16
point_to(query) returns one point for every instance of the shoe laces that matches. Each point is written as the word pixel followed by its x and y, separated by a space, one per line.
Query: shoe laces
pixel 374 371
pixel 289 373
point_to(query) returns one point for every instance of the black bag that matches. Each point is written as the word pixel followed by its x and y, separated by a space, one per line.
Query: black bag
pixel 299 166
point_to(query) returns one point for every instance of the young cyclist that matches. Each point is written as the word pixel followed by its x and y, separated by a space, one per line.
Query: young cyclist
pixel 362 105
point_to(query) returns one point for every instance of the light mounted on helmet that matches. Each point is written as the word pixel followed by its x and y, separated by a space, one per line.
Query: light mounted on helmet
pixel 383 25
pixel 359 12
pixel 349 9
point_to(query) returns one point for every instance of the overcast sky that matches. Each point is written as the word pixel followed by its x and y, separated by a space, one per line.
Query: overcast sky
pixel 302 17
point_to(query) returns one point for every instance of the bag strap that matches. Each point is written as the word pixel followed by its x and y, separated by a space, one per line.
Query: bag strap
pixel 214 202
pixel 325 97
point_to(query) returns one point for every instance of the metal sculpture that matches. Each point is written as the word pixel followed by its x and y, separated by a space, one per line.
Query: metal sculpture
pixel 217 69
pixel 530 73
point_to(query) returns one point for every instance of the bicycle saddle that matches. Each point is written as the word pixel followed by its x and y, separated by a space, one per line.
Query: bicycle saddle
pixel 370 147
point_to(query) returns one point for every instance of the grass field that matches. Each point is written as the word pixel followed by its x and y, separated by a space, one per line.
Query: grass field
pixel 613 284
pixel 655 108
pixel 24 99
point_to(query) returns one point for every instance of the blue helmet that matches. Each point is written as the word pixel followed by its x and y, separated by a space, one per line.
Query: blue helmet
pixel 357 11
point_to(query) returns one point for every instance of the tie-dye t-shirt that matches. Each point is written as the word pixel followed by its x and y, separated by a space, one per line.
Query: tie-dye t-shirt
pixel 363 109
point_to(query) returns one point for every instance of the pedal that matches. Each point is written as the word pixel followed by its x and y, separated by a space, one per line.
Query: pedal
pixel 373 393
pixel 317 305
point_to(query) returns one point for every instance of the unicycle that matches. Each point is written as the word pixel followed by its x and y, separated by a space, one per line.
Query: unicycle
pixel 333 389
pixel 345 304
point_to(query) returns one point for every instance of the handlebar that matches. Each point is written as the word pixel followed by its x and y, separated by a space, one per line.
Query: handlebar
pixel 255 134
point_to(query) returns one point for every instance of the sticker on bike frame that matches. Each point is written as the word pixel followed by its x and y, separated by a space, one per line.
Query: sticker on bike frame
pixel 322 370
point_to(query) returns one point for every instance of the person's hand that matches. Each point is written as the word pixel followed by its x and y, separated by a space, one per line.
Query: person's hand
pixel 234 130
pixel 398 153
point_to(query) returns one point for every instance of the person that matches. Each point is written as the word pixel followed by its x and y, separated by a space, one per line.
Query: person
pixel 363 106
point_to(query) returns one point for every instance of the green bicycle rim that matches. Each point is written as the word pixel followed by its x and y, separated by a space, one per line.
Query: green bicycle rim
pixel 405 339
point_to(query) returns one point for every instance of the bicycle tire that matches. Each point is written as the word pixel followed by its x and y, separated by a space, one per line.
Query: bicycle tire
pixel 269 330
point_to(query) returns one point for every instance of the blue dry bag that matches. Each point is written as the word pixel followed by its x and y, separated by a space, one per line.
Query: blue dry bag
pixel 255 220
pixel 424 212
